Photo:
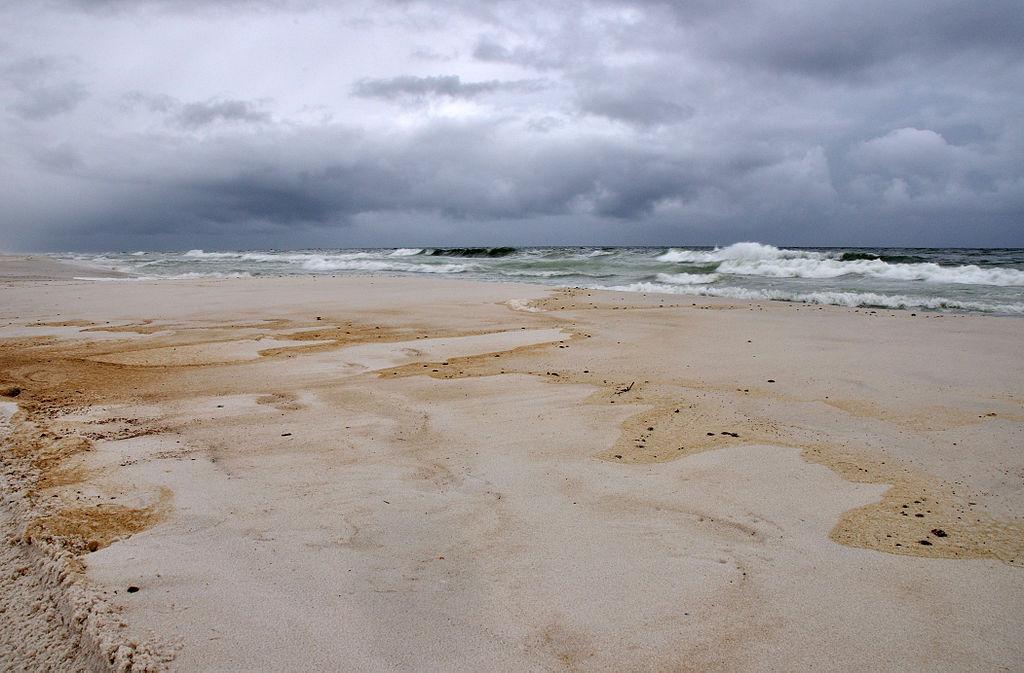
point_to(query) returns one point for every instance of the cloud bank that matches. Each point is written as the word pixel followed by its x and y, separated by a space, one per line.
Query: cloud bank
pixel 159 125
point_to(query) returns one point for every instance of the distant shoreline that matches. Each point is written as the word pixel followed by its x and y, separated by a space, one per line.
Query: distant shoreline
pixel 36 267
pixel 948 280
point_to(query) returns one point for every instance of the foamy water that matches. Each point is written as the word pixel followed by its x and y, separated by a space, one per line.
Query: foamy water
pixel 971 280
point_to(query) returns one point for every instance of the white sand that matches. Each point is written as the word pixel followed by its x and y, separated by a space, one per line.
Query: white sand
pixel 345 507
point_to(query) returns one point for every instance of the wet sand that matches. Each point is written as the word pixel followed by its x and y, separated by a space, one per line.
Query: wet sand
pixel 392 473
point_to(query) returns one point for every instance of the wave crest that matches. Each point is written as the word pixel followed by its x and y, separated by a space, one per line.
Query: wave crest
pixel 318 263
pixel 687 278
pixel 737 251
pixel 851 299
pixel 876 268
pixel 758 259
pixel 201 254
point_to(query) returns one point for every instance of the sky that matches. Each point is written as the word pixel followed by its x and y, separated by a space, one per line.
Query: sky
pixel 224 124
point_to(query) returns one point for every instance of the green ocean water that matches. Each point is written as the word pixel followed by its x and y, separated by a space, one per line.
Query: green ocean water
pixel 938 279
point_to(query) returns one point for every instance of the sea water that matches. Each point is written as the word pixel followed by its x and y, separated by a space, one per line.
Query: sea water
pixel 939 279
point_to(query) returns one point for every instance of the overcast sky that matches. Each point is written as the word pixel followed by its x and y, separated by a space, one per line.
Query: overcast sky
pixel 149 124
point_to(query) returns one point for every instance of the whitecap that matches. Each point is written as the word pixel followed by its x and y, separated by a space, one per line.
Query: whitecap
pixel 875 268
pixel 688 278
pixel 201 254
pixel 851 299
pixel 746 250
pixel 338 263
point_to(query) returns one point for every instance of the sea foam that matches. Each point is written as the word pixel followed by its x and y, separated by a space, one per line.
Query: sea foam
pixel 688 278
pixel 876 268
pixel 758 259
pixel 343 263
pixel 737 251
pixel 837 298
pixel 990 280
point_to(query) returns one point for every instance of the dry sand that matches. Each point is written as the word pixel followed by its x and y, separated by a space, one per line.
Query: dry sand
pixel 385 474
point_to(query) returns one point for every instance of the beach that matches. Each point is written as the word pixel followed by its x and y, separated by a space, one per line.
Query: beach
pixel 399 473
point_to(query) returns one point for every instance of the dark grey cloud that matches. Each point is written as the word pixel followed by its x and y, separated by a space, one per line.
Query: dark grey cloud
pixel 60 158
pixel 631 98
pixel 809 37
pixel 408 86
pixel 155 102
pixel 38 87
pixel 561 122
pixel 445 169
pixel 178 6
pixel 489 48
pixel 195 115
pixel 833 39
pixel 43 101
pixel 199 114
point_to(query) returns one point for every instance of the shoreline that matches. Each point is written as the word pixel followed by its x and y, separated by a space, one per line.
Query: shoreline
pixel 741 272
pixel 651 432
pixel 41 268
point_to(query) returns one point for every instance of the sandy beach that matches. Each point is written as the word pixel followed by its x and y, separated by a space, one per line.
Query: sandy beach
pixel 377 473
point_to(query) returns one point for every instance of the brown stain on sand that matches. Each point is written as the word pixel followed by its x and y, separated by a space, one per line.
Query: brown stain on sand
pixel 918 515
pixel 334 337
pixel 92 528
pixel 57 377
pixel 675 424
pixel 924 419
pixel 281 401
pixel 64 323
pixel 45 450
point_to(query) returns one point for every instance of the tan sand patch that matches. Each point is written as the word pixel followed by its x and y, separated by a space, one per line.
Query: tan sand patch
pixel 281 401
pixel 921 418
pixel 918 515
pixel 217 352
pixel 64 323
pixel 675 429
pixel 46 450
pixel 677 424
pixel 92 528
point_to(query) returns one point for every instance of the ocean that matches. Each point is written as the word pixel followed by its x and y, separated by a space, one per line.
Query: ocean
pixel 987 280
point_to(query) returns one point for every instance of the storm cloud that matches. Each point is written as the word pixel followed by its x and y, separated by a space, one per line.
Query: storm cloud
pixel 446 85
pixel 285 124
pixel 194 115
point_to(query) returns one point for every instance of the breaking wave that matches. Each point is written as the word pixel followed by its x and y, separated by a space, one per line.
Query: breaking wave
pixel 756 259
pixel 341 263
pixel 831 268
pixel 687 278
pixel 836 298
pixel 737 251
pixel 990 280
pixel 202 254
